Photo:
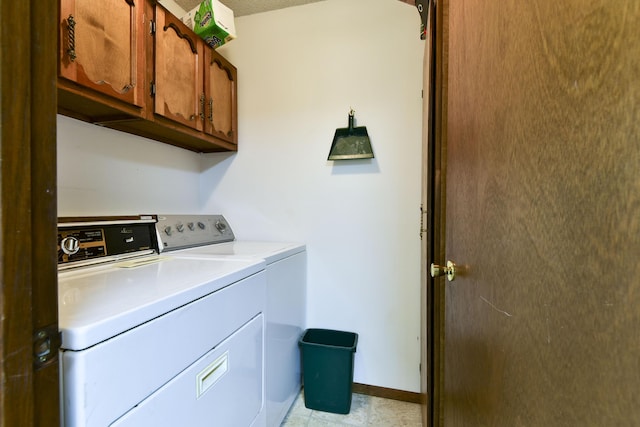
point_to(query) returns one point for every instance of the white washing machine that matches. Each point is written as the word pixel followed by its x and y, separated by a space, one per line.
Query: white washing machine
pixel 286 266
pixel 150 340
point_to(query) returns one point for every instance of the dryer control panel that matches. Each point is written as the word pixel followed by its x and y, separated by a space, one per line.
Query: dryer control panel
pixel 93 240
pixel 187 231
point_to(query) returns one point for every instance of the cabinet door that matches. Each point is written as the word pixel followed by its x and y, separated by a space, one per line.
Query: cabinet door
pixel 179 93
pixel 220 88
pixel 101 46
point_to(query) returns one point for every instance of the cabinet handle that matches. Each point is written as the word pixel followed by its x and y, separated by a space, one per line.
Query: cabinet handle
pixel 202 107
pixel 211 110
pixel 71 51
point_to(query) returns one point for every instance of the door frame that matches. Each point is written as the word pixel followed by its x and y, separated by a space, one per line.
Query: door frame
pixel 28 216
pixel 435 119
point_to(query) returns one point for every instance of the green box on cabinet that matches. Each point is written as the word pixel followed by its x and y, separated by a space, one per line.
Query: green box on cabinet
pixel 213 22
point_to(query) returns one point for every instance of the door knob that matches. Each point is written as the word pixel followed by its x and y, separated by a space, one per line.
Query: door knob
pixel 449 270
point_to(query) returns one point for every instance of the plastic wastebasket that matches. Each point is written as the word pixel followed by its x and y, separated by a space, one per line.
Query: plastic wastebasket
pixel 327 368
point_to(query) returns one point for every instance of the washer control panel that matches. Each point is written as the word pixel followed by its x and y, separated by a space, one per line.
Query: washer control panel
pixel 187 231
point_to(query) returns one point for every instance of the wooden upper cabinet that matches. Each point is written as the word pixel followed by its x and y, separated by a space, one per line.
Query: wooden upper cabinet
pixel 101 47
pixel 131 65
pixel 220 87
pixel 179 84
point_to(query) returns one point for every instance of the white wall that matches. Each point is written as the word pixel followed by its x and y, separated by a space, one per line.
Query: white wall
pixel 299 72
pixel 106 172
pixel 173 7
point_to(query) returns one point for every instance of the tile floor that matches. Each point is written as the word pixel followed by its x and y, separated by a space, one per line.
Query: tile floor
pixel 367 411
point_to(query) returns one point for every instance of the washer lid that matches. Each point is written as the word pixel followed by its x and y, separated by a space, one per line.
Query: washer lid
pixel 97 303
pixel 241 249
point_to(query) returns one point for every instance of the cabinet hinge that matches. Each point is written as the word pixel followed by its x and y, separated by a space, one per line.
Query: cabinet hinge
pixel 152 27
pixel 152 89
pixel 46 343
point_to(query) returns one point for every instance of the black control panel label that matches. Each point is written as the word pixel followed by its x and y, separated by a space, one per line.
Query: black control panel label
pixel 78 245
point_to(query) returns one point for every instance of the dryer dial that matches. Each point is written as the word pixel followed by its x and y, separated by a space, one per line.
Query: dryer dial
pixel 70 245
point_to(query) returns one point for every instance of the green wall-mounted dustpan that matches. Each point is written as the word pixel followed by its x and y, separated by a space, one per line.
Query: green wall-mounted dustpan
pixel 351 143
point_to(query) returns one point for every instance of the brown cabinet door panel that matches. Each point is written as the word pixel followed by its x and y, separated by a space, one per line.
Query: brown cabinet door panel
pixel 101 46
pixel 220 87
pixel 178 72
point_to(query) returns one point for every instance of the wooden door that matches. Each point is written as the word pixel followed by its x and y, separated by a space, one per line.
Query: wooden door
pixel 101 46
pixel 179 90
pixel 221 82
pixel 542 213
pixel 29 394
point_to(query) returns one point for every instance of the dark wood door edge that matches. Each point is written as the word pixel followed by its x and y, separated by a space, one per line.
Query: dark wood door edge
pixel 438 226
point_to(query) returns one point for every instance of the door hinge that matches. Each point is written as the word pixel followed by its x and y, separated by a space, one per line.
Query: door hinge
pixel 46 343
pixel 423 212
pixel 152 27
pixel 423 10
pixel 152 89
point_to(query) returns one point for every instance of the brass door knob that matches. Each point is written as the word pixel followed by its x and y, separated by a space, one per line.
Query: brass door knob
pixel 449 270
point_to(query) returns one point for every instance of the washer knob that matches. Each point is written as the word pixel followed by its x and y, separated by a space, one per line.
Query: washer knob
pixel 201 225
pixel 221 226
pixel 167 230
pixel 190 225
pixel 180 228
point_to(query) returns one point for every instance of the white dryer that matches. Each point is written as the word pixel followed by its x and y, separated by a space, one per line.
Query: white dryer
pixel 150 340
pixel 286 266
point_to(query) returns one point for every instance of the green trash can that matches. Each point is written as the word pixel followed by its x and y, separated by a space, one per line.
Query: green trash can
pixel 327 369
